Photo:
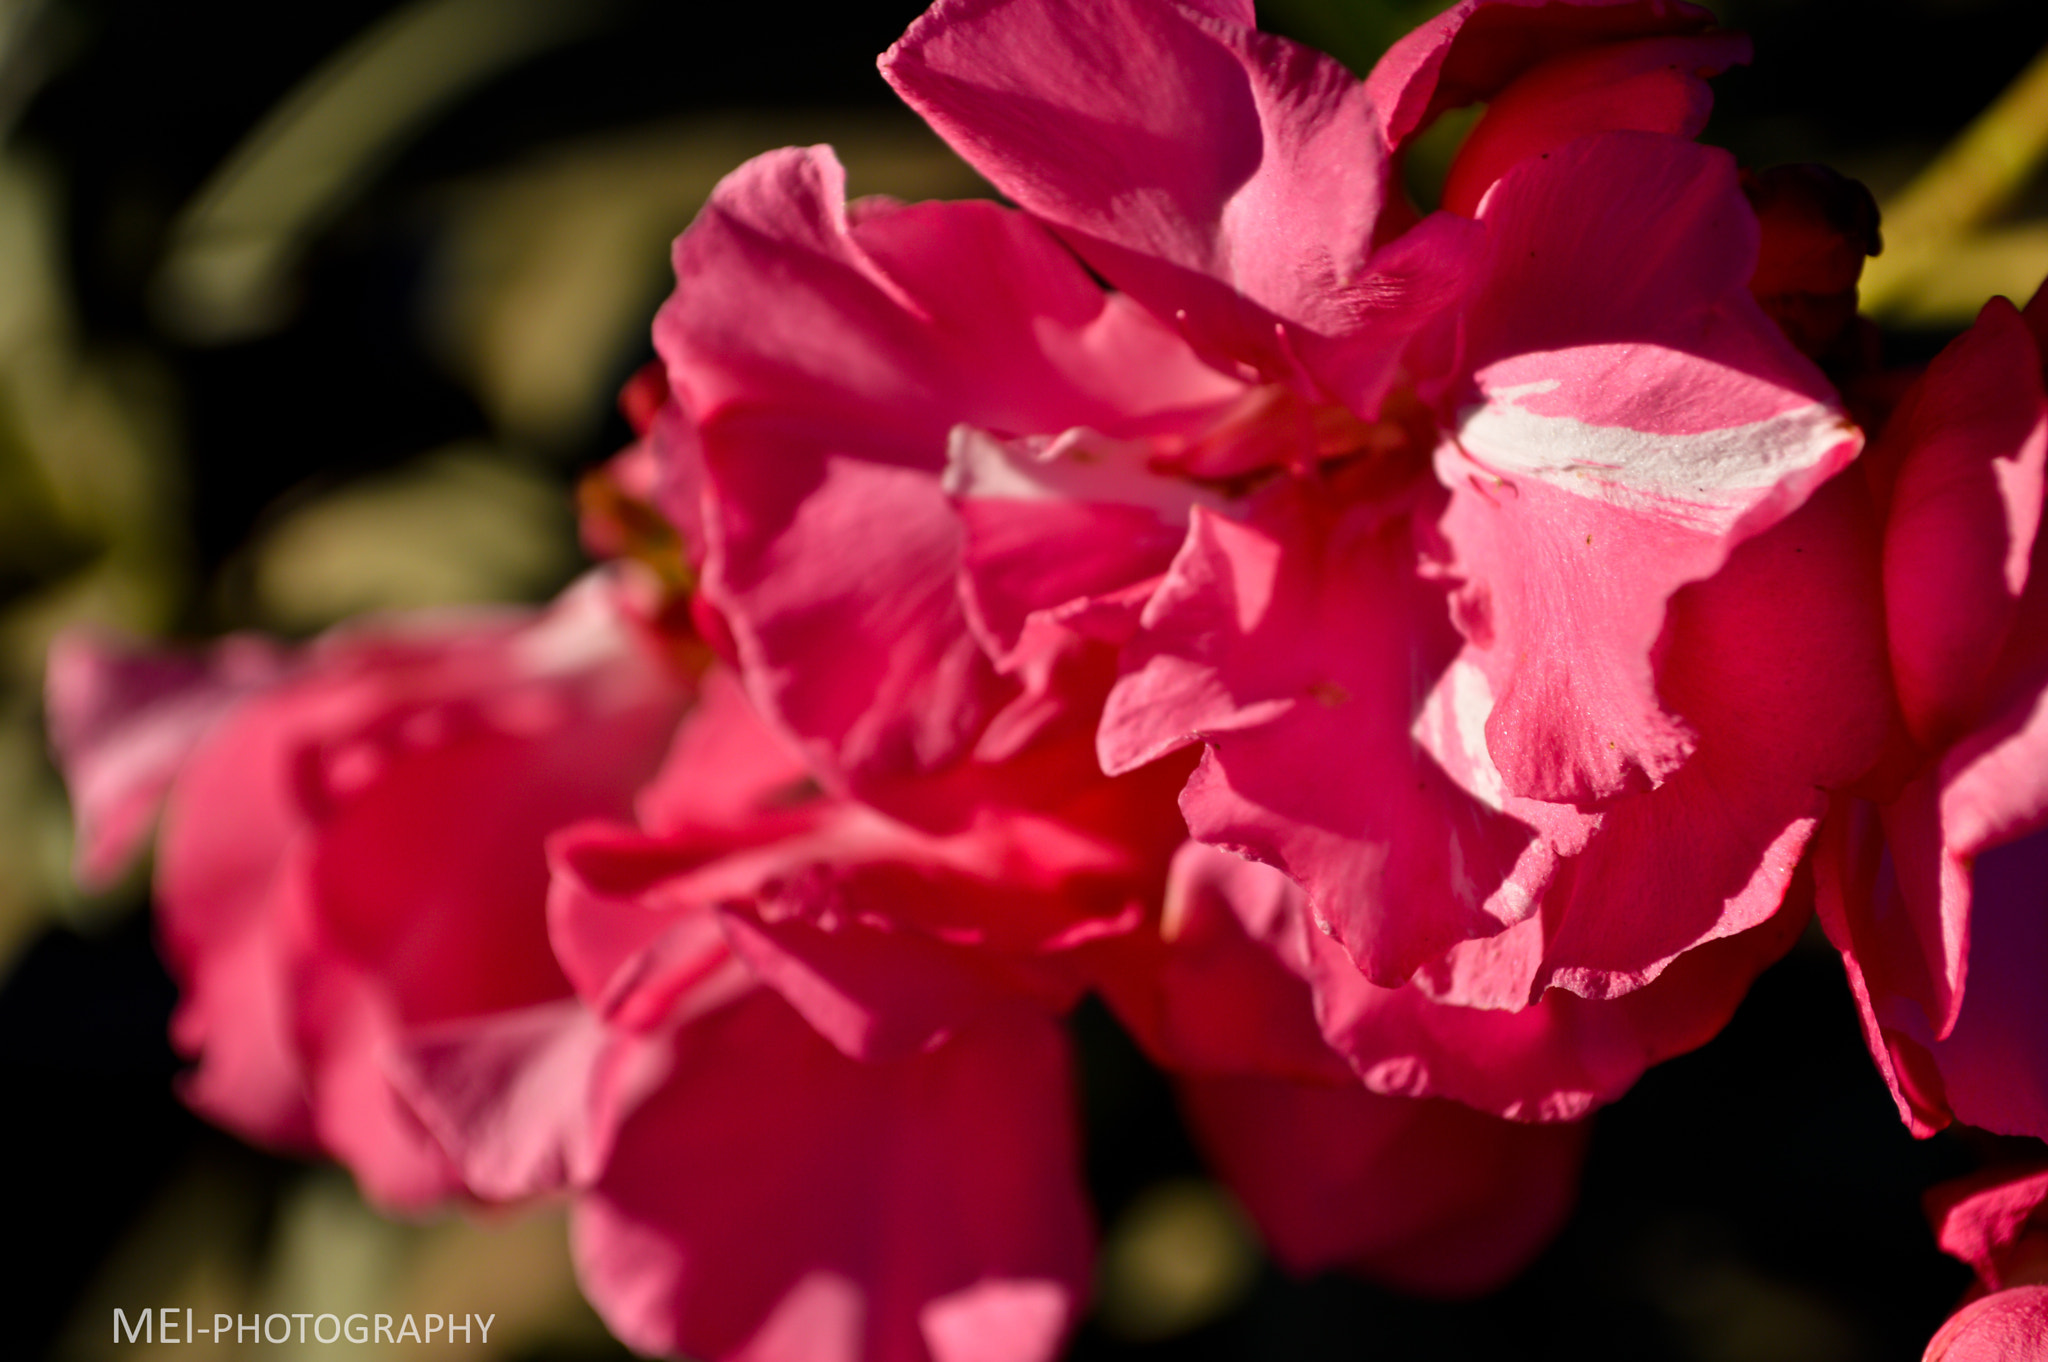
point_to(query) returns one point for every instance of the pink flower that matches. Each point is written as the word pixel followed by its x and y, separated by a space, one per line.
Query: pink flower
pixel 351 848
pixel 1515 572
pixel 1994 1221
pixel 1934 893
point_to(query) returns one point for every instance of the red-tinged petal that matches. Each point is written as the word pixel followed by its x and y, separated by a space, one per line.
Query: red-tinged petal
pixel 1637 416
pixel 1476 49
pixel 777 1202
pixel 1425 1196
pixel 1994 1064
pixel 1981 1219
pixel 1218 988
pixel 2006 1326
pixel 1648 85
pixel 825 360
pixel 1295 646
pixel 526 1101
pixel 1212 172
pixel 1969 442
pixel 122 723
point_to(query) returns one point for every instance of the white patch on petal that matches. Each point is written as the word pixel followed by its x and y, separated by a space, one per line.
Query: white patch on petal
pixel 1076 465
pixel 1452 728
pixel 1721 471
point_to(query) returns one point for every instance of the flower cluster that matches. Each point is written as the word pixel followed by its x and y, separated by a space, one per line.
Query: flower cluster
pixel 1416 669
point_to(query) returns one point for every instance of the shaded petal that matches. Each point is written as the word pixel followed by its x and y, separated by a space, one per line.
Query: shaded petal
pixel 778 1202
pixel 1477 48
pixel 1425 1196
pixel 1982 1218
pixel 1648 85
pixel 1969 442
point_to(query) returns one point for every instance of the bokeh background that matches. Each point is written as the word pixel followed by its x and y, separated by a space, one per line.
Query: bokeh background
pixel 317 308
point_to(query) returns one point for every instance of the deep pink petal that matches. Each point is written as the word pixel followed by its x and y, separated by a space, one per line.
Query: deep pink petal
pixel 1970 439
pixel 1476 48
pixel 778 1202
pixel 1294 645
pixel 1426 1196
pixel 1217 990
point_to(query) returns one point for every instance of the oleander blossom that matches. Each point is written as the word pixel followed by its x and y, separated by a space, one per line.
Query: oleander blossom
pixel 1500 586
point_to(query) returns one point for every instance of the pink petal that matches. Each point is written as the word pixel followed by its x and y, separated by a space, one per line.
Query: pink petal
pixel 1214 173
pixel 123 722
pixel 1971 438
pixel 1637 416
pixel 1217 989
pixel 1789 628
pixel 778 1202
pixel 525 1101
pixel 1425 1196
pixel 1292 645
pixel 1649 85
pixel 825 359
pixel 1476 49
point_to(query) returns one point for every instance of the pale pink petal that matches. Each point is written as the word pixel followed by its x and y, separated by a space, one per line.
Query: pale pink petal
pixel 777 1202
pixel 524 1101
pixel 1212 172
pixel 122 723
pixel 1476 48
pixel 1635 415
pixel 2006 1326
pixel 1426 1196
pixel 1971 438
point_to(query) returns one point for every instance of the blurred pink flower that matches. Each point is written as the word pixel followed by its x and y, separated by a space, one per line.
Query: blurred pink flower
pixel 351 843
